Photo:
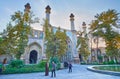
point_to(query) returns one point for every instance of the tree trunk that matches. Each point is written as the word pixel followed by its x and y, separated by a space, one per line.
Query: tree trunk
pixel 46 69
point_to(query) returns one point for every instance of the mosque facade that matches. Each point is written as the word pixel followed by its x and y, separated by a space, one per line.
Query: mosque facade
pixel 35 51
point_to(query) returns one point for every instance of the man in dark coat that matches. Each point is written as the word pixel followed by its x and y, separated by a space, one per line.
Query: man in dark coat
pixel 70 67
pixel 53 69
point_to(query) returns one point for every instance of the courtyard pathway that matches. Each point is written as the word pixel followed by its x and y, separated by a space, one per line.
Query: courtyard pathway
pixel 79 72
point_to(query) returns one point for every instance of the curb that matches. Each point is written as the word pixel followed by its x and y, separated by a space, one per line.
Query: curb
pixel 103 72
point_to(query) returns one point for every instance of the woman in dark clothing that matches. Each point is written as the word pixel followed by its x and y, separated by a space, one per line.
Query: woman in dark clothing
pixel 3 64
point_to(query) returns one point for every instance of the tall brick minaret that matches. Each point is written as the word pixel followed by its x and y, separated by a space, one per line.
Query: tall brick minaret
pixel 48 11
pixel 74 39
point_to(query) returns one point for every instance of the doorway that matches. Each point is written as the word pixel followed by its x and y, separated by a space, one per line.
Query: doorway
pixel 33 57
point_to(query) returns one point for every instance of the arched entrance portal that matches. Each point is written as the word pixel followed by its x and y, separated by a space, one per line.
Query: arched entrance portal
pixel 33 57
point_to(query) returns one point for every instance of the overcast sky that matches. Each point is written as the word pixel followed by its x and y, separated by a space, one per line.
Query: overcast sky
pixel 84 11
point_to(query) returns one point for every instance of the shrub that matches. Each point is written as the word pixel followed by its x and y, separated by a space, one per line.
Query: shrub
pixel 0 65
pixel 105 62
pixel 56 60
pixel 24 69
pixel 16 63
pixel 110 62
pixel 42 64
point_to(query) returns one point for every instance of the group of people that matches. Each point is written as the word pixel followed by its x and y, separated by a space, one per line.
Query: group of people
pixel 53 73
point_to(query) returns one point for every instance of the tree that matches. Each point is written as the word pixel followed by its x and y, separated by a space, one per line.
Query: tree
pixel 49 38
pixel 55 42
pixel 16 34
pixel 104 27
pixel 61 41
pixel 82 45
pixel 22 30
pixel 117 39
pixel 1 50
pixel 7 43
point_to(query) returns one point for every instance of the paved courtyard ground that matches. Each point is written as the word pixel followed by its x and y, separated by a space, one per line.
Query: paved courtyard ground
pixel 79 72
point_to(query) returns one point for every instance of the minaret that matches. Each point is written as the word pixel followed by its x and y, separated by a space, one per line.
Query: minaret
pixel 86 36
pixel 48 11
pixel 84 28
pixel 27 12
pixel 74 40
pixel 27 8
pixel 72 22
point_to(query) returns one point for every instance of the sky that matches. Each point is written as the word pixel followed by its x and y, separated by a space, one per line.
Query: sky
pixel 83 10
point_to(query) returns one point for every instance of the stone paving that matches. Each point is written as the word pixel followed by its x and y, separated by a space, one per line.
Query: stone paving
pixel 79 72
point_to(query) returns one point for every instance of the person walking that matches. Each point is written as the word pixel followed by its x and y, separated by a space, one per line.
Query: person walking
pixel 53 69
pixel 70 67
pixel 4 63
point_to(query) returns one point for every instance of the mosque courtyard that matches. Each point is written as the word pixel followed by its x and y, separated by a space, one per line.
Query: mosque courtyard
pixel 79 72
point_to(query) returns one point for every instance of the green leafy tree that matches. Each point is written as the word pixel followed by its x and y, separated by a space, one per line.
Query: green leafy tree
pixel 103 26
pixel 61 44
pixel 22 30
pixel 49 40
pixel 82 45
pixel 55 42
pixel 7 43
pixel 15 37
pixel 1 50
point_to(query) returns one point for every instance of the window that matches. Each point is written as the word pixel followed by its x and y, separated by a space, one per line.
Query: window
pixel 36 34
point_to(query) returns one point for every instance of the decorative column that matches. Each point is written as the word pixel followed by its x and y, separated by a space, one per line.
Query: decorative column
pixel 74 40
pixel 48 11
